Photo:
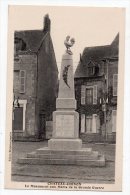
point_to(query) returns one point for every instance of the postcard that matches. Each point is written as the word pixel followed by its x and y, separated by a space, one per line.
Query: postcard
pixel 65 83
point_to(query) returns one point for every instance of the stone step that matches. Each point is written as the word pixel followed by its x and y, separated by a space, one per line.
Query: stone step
pixel 83 162
pixel 82 151
pixel 93 155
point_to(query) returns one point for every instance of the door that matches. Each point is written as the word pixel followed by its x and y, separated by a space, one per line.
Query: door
pixel 18 119
pixel 92 124
pixel 88 124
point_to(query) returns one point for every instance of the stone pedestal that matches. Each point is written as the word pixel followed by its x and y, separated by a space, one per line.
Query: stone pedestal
pixel 65 147
pixel 65 131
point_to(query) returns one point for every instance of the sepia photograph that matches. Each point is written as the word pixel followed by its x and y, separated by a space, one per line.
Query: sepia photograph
pixel 65 75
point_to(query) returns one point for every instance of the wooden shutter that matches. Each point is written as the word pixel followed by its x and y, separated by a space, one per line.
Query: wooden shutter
pixel 113 120
pixel 98 124
pixel 94 123
pixel 82 123
pixel 22 81
pixel 83 88
pixel 95 94
pixel 115 76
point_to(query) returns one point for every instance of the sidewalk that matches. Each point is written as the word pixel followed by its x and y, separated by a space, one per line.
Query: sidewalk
pixel 58 173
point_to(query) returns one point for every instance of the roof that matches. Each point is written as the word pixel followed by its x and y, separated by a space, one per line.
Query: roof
pixel 96 54
pixel 115 42
pixel 32 38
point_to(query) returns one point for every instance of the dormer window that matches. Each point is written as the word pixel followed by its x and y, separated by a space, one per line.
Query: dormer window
pixel 91 71
pixel 93 68
pixel 19 44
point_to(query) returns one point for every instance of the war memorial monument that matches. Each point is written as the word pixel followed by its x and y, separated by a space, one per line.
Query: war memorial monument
pixel 65 146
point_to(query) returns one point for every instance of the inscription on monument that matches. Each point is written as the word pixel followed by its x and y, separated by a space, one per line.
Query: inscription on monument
pixel 65 126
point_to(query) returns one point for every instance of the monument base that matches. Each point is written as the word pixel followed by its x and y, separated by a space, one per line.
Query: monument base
pixel 47 156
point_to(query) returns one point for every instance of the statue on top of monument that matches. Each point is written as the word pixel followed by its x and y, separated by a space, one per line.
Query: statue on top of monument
pixel 69 43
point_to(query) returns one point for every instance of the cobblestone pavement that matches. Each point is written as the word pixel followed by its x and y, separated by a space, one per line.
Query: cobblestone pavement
pixel 64 173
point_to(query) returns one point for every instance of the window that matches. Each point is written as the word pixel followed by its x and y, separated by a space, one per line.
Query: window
pixel 88 94
pixel 115 77
pixel 19 44
pixel 91 70
pixel 22 81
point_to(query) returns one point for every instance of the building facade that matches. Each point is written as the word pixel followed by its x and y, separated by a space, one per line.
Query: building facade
pixel 96 80
pixel 35 83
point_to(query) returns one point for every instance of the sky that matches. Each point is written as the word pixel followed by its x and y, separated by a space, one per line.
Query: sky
pixel 89 26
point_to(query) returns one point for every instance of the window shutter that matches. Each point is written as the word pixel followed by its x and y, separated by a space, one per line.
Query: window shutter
pixel 94 123
pixel 22 81
pixel 82 123
pixel 95 94
pixel 83 88
pixel 114 120
pixel 115 76
pixel 98 124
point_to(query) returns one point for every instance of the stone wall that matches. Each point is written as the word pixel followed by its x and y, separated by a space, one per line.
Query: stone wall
pixel 47 81
pixel 27 62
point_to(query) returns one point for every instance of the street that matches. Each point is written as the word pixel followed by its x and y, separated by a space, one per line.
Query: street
pixel 64 173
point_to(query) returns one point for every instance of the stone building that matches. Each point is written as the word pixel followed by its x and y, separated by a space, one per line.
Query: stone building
pixel 96 80
pixel 35 83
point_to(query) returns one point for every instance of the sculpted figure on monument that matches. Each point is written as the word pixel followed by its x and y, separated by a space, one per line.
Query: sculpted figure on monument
pixel 69 43
pixel 65 75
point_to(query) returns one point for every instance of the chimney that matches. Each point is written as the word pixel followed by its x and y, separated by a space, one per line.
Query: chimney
pixel 46 24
